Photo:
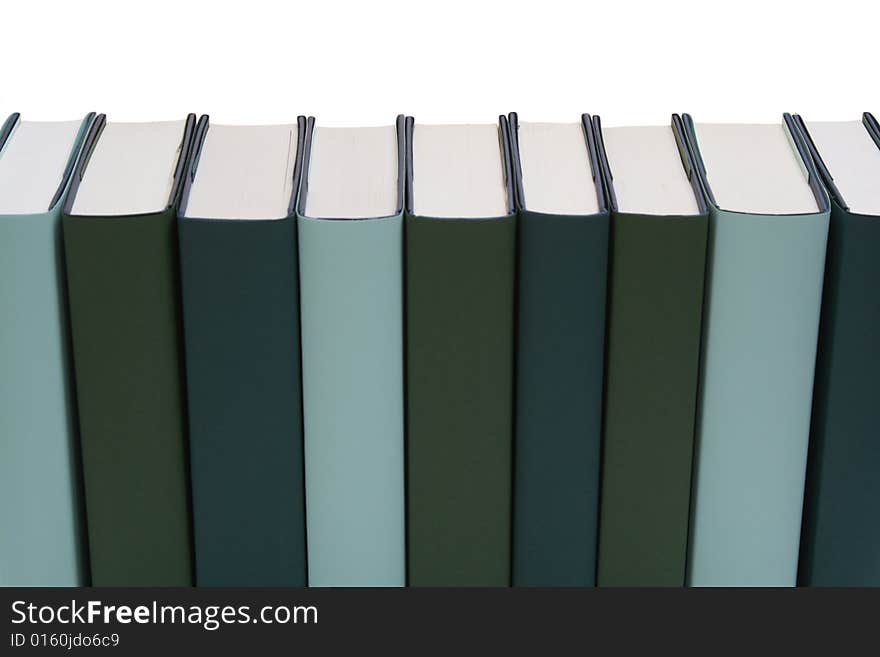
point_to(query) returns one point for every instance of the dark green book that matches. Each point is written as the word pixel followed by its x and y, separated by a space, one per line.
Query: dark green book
pixel 659 223
pixel 460 241
pixel 238 255
pixel 840 540
pixel 121 252
pixel 562 280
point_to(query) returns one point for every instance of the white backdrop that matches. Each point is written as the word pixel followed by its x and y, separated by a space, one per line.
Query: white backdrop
pixel 361 63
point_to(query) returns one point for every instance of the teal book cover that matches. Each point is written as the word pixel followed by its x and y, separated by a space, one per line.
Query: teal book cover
pixel 768 232
pixel 238 261
pixel 840 541
pixel 350 222
pixel 42 542
pixel 560 327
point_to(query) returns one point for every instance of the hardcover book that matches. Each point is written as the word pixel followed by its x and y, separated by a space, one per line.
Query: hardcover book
pixel 120 243
pixel 659 223
pixel 238 255
pixel 768 228
pixel 460 261
pixel 840 541
pixel 42 541
pixel 562 219
pixel 351 277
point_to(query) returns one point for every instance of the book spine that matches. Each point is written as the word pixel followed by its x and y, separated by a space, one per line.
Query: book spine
pixel 652 370
pixel 559 367
pixel 40 544
pixel 125 323
pixel 352 331
pixel 459 364
pixel 241 326
pixel 761 324
pixel 841 534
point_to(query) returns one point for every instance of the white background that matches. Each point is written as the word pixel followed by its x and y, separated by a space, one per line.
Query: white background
pixel 361 63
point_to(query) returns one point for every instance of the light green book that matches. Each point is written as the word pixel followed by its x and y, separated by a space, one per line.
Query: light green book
pixel 40 505
pixel 768 231
pixel 350 223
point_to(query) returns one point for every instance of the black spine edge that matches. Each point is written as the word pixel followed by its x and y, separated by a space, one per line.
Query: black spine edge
pixel 183 158
pixel 504 143
pixel 516 161
pixel 301 128
pixel 872 127
pixel 409 127
pixel 8 126
pixel 85 155
pixel 304 127
pixel 595 167
pixel 198 142
pixel 690 135
pixel 72 159
pixel 822 169
pixel 804 153
pixel 688 161
pixel 604 166
pixel 305 133
pixel 400 125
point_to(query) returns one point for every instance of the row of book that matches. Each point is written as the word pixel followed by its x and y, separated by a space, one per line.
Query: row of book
pixel 514 353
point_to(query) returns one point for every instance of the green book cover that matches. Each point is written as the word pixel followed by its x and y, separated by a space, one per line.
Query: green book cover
pixel 120 243
pixel 459 366
pixel 655 306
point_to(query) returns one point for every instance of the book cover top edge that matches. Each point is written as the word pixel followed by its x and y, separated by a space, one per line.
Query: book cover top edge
pixel 400 131
pixel 835 196
pixel 504 147
pixel 189 178
pixel 72 156
pixel 813 181
pixel 686 162
pixel 595 170
pixel 88 147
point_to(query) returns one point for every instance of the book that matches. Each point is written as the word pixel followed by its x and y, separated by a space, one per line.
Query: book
pixel 768 228
pixel 239 284
pixel 42 542
pixel 120 243
pixel 659 225
pixel 351 278
pixel 562 218
pixel 460 235
pixel 840 539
